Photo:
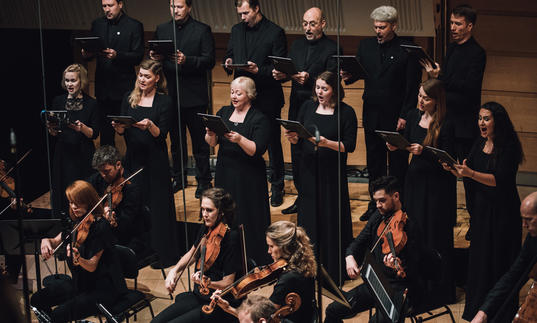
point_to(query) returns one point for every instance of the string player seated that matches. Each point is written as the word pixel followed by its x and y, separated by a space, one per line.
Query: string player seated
pixel 126 215
pixel 222 246
pixel 386 193
pixel 96 273
pixel 290 243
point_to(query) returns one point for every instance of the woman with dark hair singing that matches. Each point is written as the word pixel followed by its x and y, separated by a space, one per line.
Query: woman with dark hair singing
pixel 493 204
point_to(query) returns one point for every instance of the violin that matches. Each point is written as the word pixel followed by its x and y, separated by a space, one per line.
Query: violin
pixel 114 193
pixel 292 304
pixel 7 180
pixel 256 278
pixel 528 311
pixel 394 238
pixel 209 252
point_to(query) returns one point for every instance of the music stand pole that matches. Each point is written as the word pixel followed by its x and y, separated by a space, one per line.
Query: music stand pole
pixel 25 292
pixel 318 227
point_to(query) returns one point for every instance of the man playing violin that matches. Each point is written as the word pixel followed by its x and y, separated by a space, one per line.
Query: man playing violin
pixel 97 276
pixel 126 216
pixel 493 308
pixel 399 269
pixel 289 243
pixel 222 261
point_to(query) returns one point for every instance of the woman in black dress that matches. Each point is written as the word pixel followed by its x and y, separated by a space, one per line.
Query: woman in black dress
pixel 240 168
pixel 74 143
pixel 430 192
pixel 494 204
pixel 289 242
pixel 97 276
pixel 146 147
pixel 322 112
pixel 217 209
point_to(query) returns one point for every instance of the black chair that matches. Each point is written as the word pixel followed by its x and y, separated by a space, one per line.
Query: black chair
pixel 424 312
pixel 132 301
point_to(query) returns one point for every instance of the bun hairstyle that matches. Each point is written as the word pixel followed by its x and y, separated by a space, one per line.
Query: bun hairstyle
pixel 222 201
pixel 295 247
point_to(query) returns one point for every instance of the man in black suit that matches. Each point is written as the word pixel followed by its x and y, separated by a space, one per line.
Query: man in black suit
pixel 391 89
pixel 462 73
pixel 193 60
pixel 311 55
pixel 123 40
pixel 251 42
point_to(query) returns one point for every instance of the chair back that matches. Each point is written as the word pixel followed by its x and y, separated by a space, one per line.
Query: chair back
pixel 127 260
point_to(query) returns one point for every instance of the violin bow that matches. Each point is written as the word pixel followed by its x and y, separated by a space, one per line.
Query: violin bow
pixel 243 249
pixel 382 234
pixel 16 164
pixel 79 223
pixel 130 177
pixel 202 242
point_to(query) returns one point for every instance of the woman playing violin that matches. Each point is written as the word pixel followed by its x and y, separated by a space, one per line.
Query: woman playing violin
pixel 96 274
pixel 221 262
pixel 289 242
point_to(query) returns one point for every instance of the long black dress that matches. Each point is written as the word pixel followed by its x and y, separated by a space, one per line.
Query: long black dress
pixel 73 151
pixel 244 177
pixel 144 150
pixel 495 221
pixel 431 201
pixel 328 183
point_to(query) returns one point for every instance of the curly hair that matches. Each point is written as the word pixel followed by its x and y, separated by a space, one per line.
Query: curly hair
pixel 105 154
pixel 295 247
pixel 222 201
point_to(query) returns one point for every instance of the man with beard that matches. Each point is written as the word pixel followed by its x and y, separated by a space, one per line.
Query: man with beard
pixel 312 55
pixel 123 40
pixel 195 59
pixel 251 42
pixel 391 89
pixel 126 217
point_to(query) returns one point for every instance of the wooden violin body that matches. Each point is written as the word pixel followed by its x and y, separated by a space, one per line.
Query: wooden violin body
pixel 527 313
pixel 394 237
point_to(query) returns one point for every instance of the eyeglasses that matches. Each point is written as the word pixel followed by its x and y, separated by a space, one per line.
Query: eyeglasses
pixel 312 24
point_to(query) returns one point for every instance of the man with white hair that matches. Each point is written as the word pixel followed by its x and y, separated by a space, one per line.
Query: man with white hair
pixel 391 88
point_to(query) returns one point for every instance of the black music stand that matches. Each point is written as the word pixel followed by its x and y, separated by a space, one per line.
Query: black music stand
pixel 36 226
pixel 384 296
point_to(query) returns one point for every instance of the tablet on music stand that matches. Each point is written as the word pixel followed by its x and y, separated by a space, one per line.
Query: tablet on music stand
pixel 296 127
pixel 215 123
pixel 90 44
pixel 161 46
pixel 128 121
pixel 350 64
pixel 442 155
pixel 418 52
pixel 235 65
pixel 393 138
pixel 284 65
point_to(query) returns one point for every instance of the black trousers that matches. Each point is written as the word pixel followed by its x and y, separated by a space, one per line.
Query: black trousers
pixel 200 148
pixel 277 170
pixel 107 133
pixel 187 309
pixel 361 299
pixel 71 306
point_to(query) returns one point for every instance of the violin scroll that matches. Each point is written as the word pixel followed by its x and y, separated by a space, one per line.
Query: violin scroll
pixel 293 302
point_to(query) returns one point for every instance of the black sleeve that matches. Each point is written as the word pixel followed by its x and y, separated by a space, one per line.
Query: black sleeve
pixel 136 47
pixel 508 282
pixel 206 58
pixel 359 245
pixel 130 212
pixel 355 78
pixel 350 127
pixel 446 140
pixel 260 133
pixel 229 52
pixel 412 84
pixel 506 166
pixel 279 48
pixel 93 120
pixel 231 256
pixel 103 238
pixel 165 115
pixel 281 289
pixel 474 76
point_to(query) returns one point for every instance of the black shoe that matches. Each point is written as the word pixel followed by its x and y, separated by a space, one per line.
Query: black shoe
pixel 367 214
pixel 277 198
pixel 468 235
pixel 201 188
pixel 290 210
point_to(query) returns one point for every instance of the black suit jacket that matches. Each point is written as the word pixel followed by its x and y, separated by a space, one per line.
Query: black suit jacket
pixel 196 41
pixel 114 77
pixel 270 40
pixel 391 88
pixel 320 60
pixel 462 74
